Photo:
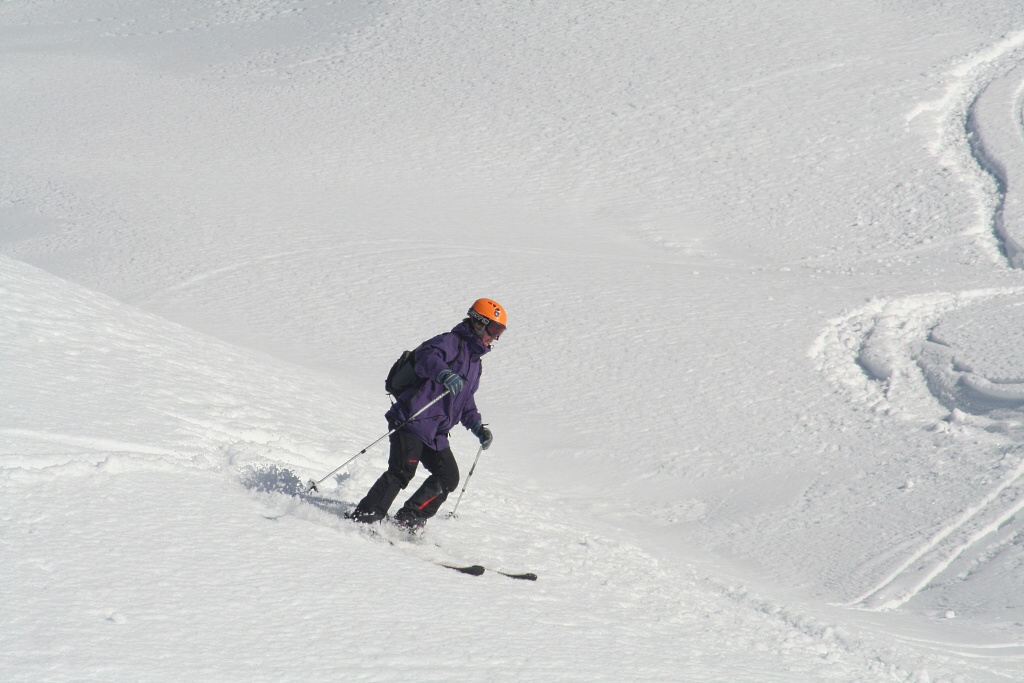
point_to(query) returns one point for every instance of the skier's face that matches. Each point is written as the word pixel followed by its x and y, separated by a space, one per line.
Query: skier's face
pixel 486 337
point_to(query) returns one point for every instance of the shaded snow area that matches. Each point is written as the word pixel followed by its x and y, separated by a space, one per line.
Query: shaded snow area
pixel 758 416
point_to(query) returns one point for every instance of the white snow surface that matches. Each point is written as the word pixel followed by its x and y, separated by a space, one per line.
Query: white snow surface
pixel 758 417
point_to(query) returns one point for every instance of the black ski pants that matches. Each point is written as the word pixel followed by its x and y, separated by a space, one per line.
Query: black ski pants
pixel 407 452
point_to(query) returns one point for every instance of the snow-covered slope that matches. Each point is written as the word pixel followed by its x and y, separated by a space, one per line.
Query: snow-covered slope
pixel 148 535
pixel 757 415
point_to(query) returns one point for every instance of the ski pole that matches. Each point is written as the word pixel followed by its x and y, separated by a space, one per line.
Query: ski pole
pixel 479 451
pixel 313 484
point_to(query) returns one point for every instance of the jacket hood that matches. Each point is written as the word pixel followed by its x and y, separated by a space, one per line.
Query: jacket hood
pixel 466 333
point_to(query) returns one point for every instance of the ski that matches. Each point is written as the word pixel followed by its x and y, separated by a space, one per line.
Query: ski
pixel 380 532
pixel 395 535
pixel 525 576
pixel 472 570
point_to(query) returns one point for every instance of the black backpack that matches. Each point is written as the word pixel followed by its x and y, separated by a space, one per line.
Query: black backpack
pixel 402 374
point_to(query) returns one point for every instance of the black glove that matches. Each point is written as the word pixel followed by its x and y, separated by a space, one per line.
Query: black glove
pixel 484 434
pixel 452 381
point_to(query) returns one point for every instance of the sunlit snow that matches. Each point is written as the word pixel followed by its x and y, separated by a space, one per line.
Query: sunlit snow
pixel 758 416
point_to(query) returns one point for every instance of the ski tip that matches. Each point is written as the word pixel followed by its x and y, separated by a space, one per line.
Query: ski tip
pixel 472 570
pixel 528 576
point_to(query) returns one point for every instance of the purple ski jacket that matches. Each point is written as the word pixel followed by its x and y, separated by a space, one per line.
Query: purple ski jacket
pixel 459 351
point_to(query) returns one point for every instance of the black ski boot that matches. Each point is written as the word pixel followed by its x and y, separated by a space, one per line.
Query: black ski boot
pixel 409 519
pixel 365 516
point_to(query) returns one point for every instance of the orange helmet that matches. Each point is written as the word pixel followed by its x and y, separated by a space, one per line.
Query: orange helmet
pixel 488 311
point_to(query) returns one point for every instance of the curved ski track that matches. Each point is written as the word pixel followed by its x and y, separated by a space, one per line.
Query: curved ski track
pixel 873 353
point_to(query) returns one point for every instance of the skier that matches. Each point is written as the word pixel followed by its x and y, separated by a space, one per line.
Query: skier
pixel 448 361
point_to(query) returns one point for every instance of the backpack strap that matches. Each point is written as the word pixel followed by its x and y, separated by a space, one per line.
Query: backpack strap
pixel 458 354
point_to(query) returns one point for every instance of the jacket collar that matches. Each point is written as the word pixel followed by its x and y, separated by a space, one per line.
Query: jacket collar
pixel 466 333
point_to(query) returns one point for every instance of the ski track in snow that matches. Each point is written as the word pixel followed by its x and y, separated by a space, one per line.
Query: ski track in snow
pixel 874 353
pixel 976 120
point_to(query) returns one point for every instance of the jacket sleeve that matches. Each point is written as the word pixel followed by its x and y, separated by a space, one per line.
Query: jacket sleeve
pixel 470 415
pixel 435 354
